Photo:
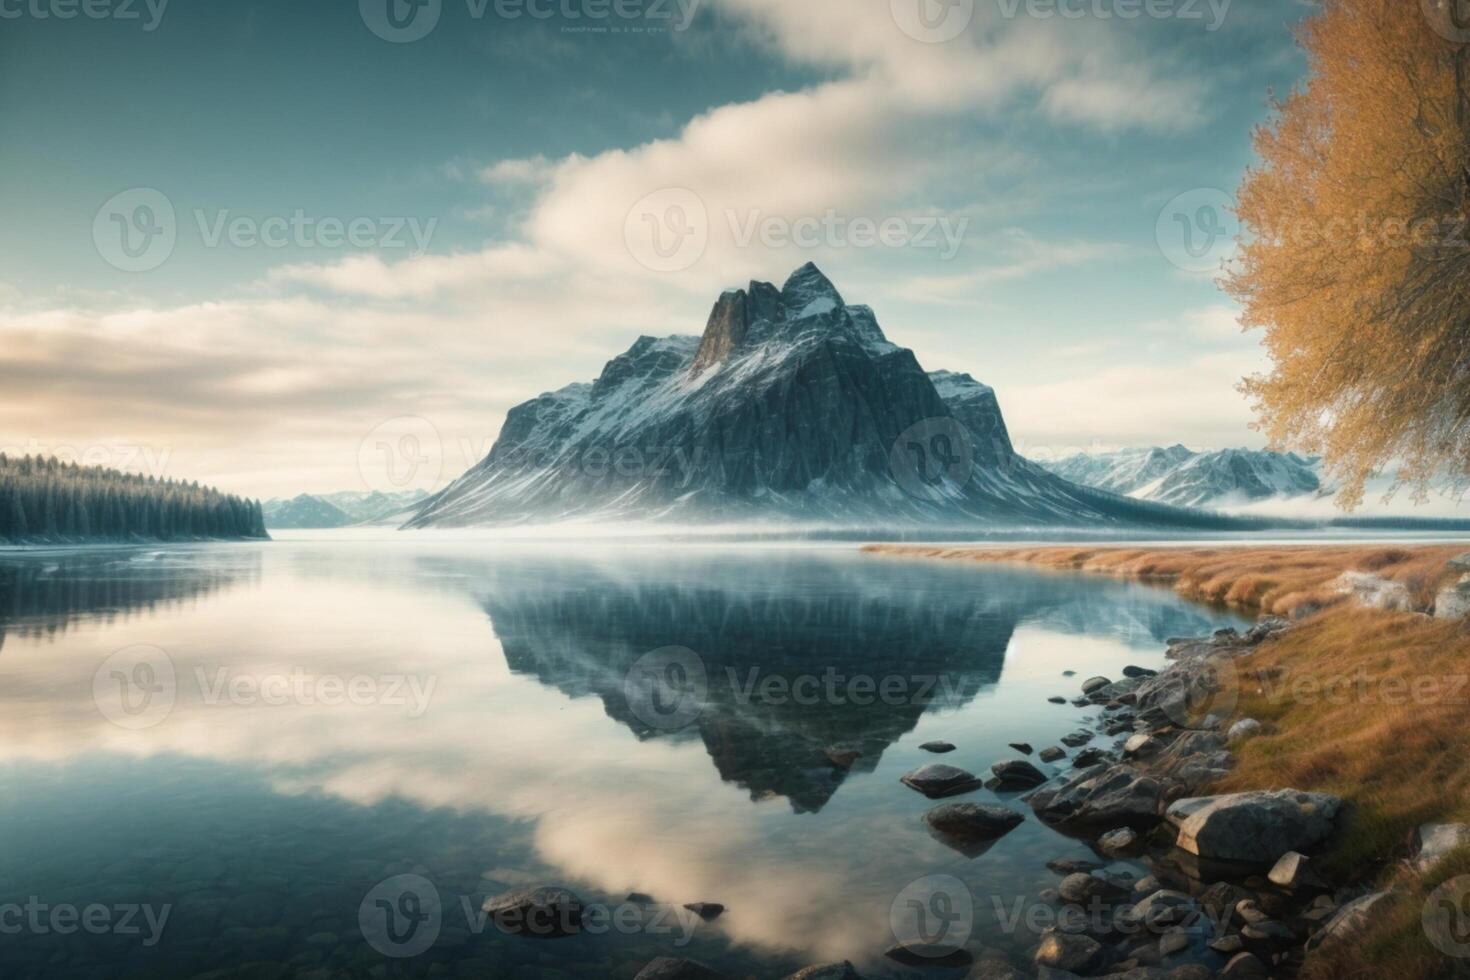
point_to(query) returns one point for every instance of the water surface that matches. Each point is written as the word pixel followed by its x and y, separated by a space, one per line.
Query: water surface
pixel 266 740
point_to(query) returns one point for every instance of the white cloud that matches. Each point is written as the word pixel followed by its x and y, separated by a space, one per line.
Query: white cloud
pixel 527 170
pixel 1194 400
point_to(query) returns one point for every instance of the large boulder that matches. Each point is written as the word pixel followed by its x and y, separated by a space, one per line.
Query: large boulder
pixel 1255 829
pixel 1434 841
pixel 937 780
pixel 1351 920
pixel 1453 601
pixel 1102 798
pixel 1375 591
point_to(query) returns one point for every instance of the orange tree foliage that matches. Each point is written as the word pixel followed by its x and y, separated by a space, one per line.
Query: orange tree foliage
pixel 1356 261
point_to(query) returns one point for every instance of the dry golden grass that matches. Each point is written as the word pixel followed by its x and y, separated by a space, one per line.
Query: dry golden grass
pixel 1370 705
pixel 1274 580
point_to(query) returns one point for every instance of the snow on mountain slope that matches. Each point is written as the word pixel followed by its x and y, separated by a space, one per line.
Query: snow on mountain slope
pixel 1125 471
pixel 1179 476
pixel 303 511
pixel 792 405
pixel 342 509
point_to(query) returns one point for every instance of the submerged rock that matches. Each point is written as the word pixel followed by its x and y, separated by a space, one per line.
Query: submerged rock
pixel 1017 774
pixel 677 968
pixel 1084 888
pixel 937 747
pixel 1070 952
pixel 1118 842
pixel 706 910
pixel 937 780
pixel 973 820
pixel 1071 866
pixel 928 955
pixel 536 913
pixel 1051 754
pixel 827 971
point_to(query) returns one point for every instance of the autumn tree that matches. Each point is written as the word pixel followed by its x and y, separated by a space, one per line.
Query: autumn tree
pixel 1356 257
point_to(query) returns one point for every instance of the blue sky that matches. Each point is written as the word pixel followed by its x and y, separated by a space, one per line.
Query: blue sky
pixel 496 174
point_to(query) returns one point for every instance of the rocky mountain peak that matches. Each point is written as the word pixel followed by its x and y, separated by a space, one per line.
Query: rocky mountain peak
pixel 807 303
pixel 808 293
pixel 724 332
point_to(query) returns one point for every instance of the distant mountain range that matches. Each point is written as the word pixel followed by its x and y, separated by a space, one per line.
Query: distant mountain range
pixel 792 406
pixel 1180 476
pixel 342 509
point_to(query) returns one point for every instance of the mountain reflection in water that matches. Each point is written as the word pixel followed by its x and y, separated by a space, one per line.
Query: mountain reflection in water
pixel 265 824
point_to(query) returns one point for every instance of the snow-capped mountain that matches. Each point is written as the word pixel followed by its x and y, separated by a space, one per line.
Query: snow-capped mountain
pixel 303 511
pixel 1179 476
pixel 342 509
pixel 792 405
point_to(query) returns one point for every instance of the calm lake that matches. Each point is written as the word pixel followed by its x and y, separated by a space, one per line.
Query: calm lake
pixel 319 755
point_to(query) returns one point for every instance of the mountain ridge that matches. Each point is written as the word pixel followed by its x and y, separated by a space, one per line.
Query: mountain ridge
pixel 790 404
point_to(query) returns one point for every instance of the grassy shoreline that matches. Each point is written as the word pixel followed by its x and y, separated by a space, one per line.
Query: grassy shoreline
pixel 1368 704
